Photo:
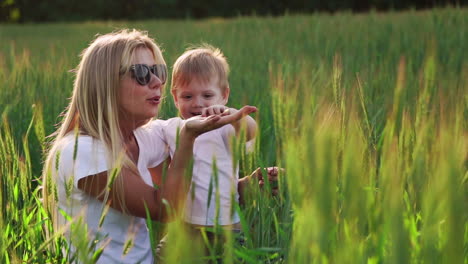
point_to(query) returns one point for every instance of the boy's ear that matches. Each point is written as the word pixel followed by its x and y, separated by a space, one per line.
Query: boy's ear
pixel 174 96
pixel 226 94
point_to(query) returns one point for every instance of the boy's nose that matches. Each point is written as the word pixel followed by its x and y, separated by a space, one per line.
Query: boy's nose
pixel 196 102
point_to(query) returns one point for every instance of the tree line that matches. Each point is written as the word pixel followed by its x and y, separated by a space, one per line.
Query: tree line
pixel 65 10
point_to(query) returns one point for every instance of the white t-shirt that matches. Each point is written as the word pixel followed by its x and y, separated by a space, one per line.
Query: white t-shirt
pixel 201 200
pixel 117 228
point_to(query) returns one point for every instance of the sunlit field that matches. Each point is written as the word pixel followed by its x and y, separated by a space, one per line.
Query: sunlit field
pixel 367 113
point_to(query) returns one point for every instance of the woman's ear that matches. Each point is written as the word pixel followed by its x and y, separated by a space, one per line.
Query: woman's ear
pixel 226 94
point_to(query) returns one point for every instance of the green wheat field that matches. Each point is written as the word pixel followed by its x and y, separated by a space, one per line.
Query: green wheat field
pixel 367 113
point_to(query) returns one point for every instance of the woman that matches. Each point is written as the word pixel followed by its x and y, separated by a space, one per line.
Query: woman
pixel 97 185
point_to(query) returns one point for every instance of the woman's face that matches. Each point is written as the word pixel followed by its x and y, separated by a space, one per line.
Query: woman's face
pixel 138 102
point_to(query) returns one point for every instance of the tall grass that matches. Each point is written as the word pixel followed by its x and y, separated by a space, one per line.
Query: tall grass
pixel 367 114
pixel 355 201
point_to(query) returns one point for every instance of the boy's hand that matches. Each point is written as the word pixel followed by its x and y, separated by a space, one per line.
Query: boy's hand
pixel 198 125
pixel 218 110
pixel 222 110
pixel 272 173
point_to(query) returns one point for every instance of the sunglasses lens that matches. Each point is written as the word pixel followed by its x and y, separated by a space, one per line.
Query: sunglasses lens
pixel 141 73
pixel 160 70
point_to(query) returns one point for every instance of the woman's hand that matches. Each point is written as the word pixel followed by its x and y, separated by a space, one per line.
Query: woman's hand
pixel 198 125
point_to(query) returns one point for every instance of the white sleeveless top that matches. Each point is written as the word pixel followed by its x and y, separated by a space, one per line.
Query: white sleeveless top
pixel 117 229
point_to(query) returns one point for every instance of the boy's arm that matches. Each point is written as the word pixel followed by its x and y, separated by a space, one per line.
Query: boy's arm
pixel 250 126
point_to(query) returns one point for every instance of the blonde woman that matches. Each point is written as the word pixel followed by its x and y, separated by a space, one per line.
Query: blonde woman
pixel 98 173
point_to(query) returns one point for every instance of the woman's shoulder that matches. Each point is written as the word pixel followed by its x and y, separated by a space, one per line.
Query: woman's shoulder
pixel 72 143
pixel 81 150
pixel 79 156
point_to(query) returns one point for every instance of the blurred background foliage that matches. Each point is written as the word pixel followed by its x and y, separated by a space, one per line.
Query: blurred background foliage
pixel 64 10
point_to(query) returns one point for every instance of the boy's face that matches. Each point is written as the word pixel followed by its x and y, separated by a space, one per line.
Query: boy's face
pixel 192 98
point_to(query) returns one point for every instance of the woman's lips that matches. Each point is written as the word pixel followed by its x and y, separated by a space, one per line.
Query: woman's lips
pixel 154 100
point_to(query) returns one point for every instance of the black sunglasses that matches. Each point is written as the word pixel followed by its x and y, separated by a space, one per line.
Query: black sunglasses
pixel 142 72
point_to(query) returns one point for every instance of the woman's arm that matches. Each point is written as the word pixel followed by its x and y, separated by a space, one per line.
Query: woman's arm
pixel 134 194
pixel 158 172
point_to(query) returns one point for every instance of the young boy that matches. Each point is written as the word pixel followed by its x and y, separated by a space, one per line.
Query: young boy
pixel 200 88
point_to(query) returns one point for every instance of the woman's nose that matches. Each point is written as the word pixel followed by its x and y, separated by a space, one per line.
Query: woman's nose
pixel 155 82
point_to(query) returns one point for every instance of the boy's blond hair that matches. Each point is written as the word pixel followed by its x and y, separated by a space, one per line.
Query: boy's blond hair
pixel 201 63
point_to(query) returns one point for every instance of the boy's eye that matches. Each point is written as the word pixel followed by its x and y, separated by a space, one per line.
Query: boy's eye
pixel 186 96
pixel 208 95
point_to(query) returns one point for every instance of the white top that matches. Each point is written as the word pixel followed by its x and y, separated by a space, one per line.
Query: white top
pixel 117 228
pixel 201 200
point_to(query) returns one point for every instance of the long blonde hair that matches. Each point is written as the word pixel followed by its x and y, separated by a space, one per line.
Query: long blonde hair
pixel 94 107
